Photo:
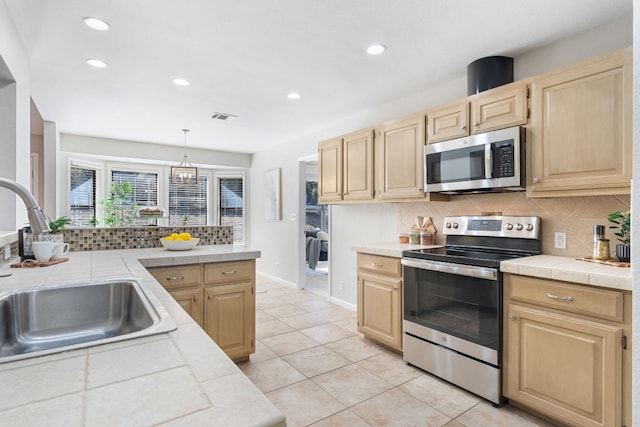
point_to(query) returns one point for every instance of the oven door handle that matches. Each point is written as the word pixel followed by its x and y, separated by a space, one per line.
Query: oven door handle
pixel 447 267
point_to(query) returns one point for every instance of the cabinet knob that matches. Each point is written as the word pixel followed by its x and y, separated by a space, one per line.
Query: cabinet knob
pixel 195 299
pixel 535 180
pixel 512 317
pixel 463 127
pixel 208 297
pixel 476 124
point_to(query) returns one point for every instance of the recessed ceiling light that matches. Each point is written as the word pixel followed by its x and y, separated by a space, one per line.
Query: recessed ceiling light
pixel 96 24
pixel 181 82
pixel 376 49
pixel 97 63
pixel 293 95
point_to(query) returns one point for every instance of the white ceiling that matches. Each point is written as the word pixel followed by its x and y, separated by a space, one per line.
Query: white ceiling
pixel 244 56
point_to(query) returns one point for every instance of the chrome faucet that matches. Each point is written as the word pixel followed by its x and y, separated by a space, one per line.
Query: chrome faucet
pixel 37 220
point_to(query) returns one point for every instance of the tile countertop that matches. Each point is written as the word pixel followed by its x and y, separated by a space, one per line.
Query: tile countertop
pixel 392 249
pixel 180 378
pixel 570 270
pixel 545 266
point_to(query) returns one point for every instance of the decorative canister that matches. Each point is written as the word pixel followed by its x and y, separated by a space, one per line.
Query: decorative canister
pixel 426 238
pixel 403 237
pixel 414 238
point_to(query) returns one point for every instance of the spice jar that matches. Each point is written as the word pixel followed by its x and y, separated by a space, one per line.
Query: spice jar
pixel 414 238
pixel 403 237
pixel 426 238
pixel 603 249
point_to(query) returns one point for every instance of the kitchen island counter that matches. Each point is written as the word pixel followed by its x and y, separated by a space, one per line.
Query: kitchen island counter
pixel 180 378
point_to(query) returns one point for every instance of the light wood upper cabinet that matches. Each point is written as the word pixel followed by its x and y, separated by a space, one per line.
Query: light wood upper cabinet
pixel 380 299
pixel 345 168
pixel 564 352
pixel 582 140
pixel 400 162
pixel 497 108
pixel 330 171
pixel 448 122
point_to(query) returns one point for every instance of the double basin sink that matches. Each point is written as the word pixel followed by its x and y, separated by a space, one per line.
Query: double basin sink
pixel 52 319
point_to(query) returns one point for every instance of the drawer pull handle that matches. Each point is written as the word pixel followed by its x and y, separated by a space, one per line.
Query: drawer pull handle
pixel 377 264
pixel 171 278
pixel 226 273
pixel 559 298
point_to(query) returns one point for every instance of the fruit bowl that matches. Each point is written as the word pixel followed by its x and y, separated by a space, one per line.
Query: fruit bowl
pixel 179 245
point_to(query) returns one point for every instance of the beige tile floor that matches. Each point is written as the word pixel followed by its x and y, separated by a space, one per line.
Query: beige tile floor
pixel 311 362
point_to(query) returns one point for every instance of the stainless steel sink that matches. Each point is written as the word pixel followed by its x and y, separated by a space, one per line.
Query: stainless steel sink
pixel 51 319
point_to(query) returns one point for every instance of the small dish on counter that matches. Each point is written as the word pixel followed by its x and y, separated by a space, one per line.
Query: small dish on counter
pixel 180 245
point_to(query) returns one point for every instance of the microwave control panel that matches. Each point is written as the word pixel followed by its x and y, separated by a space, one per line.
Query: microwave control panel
pixel 503 159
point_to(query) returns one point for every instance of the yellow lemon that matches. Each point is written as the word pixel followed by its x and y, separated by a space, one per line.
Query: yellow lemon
pixel 184 236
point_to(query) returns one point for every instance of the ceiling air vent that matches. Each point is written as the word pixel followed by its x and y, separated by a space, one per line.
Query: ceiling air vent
pixel 223 116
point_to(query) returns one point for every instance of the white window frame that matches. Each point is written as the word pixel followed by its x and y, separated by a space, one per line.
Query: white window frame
pixel 216 181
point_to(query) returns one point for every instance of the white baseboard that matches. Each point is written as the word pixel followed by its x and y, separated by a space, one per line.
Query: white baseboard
pixel 277 279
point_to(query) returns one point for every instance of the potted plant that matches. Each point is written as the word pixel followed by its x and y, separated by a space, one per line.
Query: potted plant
pixel 56 226
pixel 622 223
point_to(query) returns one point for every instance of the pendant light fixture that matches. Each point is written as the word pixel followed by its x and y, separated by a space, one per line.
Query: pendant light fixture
pixel 185 174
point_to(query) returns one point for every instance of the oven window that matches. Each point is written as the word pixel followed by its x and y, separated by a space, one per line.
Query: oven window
pixel 465 307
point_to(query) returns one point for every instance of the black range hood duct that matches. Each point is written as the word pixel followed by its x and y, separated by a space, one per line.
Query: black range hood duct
pixel 487 73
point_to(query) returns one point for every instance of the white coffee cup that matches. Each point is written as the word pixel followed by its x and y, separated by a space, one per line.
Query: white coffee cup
pixel 43 250
pixel 60 249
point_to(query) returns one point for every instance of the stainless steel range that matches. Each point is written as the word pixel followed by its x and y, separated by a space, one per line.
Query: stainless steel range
pixel 453 299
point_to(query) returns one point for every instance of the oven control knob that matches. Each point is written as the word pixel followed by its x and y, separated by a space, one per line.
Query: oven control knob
pixel 509 226
pixel 447 225
pixel 529 227
pixel 519 227
pixel 455 225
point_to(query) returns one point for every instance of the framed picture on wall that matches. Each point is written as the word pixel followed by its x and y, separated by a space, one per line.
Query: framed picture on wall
pixel 272 208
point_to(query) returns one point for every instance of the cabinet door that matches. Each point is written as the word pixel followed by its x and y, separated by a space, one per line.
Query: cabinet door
pixel 499 108
pixel 379 308
pixel 229 318
pixel 357 175
pixel 192 302
pixel 582 137
pixel 564 366
pixel 330 171
pixel 401 164
pixel 448 122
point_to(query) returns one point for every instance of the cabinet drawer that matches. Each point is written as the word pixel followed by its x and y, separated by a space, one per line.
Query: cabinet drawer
pixel 380 264
pixel 602 303
pixel 228 272
pixel 178 276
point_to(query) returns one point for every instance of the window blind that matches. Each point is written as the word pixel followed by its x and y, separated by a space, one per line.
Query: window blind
pixel 188 203
pixel 144 189
pixel 231 205
pixel 82 196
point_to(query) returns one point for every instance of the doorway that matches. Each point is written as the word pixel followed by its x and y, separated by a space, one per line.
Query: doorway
pixel 316 233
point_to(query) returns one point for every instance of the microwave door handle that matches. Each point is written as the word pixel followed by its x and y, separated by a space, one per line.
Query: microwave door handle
pixel 488 161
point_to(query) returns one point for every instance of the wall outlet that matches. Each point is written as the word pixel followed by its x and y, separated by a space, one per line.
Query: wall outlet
pixel 560 240
pixel 342 285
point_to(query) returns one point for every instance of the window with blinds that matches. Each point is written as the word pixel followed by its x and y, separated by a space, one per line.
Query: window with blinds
pixel 231 205
pixel 82 196
pixel 188 205
pixel 144 189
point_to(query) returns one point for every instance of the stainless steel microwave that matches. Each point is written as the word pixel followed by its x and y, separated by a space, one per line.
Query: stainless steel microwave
pixel 491 161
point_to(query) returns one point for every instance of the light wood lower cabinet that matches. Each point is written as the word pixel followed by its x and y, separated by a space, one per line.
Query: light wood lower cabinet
pixel 380 299
pixel 566 350
pixel 220 297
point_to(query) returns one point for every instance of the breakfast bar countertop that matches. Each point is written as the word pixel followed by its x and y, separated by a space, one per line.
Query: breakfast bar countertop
pixel 180 378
